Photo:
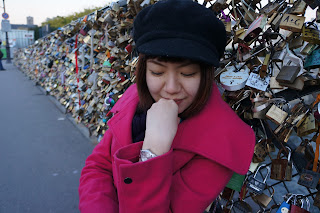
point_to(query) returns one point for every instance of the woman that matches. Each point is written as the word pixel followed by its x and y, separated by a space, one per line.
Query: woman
pixel 172 143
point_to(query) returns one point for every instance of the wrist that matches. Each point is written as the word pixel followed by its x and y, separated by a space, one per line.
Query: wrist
pixel 155 146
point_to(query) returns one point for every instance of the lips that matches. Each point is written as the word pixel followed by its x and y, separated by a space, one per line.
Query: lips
pixel 178 101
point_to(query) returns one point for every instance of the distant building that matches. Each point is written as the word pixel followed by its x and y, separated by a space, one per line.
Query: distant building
pixel 21 35
pixel 23 27
pixel 29 20
pixel 45 30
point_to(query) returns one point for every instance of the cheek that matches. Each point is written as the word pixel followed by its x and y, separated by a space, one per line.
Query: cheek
pixel 154 86
pixel 192 87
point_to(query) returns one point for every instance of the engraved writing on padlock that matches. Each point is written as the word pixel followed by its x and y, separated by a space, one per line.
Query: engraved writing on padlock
pixel 256 186
pixel 309 178
pixel 233 80
pixel 292 22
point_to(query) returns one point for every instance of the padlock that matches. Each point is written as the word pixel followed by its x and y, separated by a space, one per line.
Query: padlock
pixel 284 130
pixel 309 178
pixel 285 206
pixel 310 33
pixel 300 209
pixel 260 151
pixel 288 74
pixel 270 8
pixel 299 7
pixel 292 22
pixel 235 77
pixel 308 48
pixel 257 186
pixel 276 114
pixel 312 61
pixel 255 28
pixel 242 206
pixel 296 42
pixel 308 126
pixel 318 15
pixel 281 169
pixel 306 149
pixel 263 199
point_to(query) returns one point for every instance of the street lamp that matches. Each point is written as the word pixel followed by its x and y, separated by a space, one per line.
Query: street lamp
pixel 7 39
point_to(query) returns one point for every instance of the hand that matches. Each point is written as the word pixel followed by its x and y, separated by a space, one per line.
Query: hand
pixel 161 126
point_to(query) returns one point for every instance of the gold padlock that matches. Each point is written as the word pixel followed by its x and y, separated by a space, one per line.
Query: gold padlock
pixel 308 126
pixel 263 199
pixel 292 22
pixel 310 33
pixel 276 114
pixel 281 169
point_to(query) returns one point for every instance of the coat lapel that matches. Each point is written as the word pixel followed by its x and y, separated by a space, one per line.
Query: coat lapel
pixel 216 133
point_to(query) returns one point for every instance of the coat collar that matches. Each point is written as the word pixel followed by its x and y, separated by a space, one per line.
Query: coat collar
pixel 216 133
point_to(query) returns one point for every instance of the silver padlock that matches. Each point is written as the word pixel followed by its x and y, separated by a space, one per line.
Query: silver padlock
pixel 257 186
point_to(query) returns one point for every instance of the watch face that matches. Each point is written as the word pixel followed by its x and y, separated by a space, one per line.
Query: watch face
pixel 146 155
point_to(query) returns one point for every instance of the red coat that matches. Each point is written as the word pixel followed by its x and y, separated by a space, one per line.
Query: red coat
pixel 206 150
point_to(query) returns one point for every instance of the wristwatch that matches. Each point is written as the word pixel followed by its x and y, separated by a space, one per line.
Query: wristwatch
pixel 146 154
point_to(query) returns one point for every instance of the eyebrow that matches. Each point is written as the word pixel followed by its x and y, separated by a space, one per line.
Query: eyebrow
pixel 181 65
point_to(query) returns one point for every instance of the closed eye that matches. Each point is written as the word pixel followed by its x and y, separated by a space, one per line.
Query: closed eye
pixel 156 73
pixel 188 74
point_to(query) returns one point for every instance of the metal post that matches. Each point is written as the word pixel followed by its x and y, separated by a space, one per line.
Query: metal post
pixel 7 40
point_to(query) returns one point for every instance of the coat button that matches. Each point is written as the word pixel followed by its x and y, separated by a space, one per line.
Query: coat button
pixel 128 180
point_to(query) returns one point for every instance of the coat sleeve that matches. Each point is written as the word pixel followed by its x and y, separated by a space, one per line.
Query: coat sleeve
pixel 149 186
pixel 153 187
pixel 97 193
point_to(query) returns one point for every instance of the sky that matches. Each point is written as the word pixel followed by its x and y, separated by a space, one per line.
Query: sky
pixel 40 10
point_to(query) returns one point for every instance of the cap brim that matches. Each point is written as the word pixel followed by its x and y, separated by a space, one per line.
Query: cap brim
pixel 182 48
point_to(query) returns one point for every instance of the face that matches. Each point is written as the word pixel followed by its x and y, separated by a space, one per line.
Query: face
pixel 178 81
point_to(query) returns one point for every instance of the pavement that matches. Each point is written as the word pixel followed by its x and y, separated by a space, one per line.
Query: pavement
pixel 42 151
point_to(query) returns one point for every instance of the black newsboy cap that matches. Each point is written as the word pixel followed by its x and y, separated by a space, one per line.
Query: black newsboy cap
pixel 180 28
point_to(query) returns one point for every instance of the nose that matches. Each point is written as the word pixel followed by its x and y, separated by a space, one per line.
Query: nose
pixel 172 84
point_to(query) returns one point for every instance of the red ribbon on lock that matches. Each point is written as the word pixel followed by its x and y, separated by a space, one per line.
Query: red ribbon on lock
pixel 128 48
